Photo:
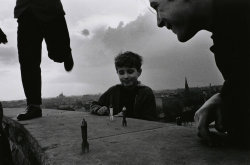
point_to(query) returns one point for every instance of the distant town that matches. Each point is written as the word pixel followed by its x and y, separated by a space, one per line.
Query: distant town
pixel 171 104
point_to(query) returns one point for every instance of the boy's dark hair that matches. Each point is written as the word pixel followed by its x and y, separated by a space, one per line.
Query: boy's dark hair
pixel 128 59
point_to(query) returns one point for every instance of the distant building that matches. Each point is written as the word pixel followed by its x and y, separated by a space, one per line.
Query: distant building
pixel 61 96
pixel 186 86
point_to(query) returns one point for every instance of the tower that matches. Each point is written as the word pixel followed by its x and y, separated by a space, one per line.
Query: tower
pixel 186 86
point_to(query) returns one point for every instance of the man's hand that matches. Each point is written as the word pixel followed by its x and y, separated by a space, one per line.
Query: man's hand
pixel 103 110
pixel 209 112
pixel 3 38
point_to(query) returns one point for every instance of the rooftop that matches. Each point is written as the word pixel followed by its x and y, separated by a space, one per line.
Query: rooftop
pixel 56 139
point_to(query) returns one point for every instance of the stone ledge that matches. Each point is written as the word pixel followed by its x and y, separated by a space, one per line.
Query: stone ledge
pixel 25 148
pixel 56 139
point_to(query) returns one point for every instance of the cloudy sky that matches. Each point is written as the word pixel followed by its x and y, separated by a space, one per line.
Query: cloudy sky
pixel 99 30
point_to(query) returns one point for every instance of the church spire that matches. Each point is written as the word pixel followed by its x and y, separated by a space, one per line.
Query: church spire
pixel 186 86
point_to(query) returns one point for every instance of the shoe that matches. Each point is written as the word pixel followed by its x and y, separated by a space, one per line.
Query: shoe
pixel 68 63
pixel 31 112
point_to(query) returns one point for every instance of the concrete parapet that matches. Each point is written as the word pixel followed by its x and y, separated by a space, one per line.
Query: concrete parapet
pixel 25 148
pixel 55 139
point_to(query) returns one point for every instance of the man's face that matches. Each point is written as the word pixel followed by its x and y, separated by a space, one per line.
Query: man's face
pixel 128 76
pixel 178 16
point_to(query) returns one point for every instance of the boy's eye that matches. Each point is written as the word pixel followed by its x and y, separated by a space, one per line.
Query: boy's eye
pixel 121 72
pixel 130 71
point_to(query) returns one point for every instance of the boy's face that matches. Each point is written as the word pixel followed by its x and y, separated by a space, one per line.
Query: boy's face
pixel 178 16
pixel 128 76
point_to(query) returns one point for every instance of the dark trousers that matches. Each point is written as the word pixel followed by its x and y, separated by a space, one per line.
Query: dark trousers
pixel 30 34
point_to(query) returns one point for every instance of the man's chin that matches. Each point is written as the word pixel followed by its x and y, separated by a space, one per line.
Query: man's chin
pixel 185 37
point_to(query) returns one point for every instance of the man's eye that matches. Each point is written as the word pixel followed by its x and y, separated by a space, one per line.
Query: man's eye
pixel 130 71
pixel 121 72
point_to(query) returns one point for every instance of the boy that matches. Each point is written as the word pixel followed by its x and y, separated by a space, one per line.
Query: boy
pixel 138 99
pixel 229 23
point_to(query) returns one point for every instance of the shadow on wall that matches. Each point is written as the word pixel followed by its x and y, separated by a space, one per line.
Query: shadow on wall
pixel 5 153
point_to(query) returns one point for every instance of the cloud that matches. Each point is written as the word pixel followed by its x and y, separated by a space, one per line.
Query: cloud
pixel 101 11
pixel 98 34
pixel 85 32
pixel 8 55
pixel 166 61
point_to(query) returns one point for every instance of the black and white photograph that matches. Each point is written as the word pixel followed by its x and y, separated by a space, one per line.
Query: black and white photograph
pixel 124 82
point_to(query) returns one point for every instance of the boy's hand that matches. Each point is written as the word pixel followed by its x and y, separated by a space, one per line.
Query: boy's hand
pixel 103 110
pixel 209 112
pixel 120 114
pixel 3 38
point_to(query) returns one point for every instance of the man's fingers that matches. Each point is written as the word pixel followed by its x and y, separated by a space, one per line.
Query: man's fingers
pixel 219 120
pixel 205 136
pixel 196 118
pixel 209 112
pixel 4 41
pixel 201 120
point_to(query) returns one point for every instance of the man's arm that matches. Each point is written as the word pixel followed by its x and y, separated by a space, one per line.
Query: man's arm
pixel 210 111
pixel 3 38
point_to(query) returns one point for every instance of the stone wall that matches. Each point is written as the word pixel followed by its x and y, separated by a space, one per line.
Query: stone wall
pixel 25 149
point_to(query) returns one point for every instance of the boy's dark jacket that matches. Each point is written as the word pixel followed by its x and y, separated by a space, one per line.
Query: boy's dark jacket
pixel 144 104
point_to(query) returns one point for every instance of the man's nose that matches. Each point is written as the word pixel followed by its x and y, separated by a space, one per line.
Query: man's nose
pixel 160 23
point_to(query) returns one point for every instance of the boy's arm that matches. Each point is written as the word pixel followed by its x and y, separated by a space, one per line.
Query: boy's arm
pixel 100 107
pixel 149 106
pixel 3 38
pixel 96 108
